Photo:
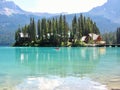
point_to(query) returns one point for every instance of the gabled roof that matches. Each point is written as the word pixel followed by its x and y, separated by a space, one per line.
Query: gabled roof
pixel 93 36
pixel 83 38
pixel 22 35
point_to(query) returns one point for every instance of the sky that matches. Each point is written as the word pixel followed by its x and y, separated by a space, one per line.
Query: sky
pixel 58 6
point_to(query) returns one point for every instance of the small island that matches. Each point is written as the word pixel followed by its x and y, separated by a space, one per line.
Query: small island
pixel 57 32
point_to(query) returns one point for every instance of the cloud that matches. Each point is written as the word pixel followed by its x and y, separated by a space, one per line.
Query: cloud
pixel 58 6
pixel 69 6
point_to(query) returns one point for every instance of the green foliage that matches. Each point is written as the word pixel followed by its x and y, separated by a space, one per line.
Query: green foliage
pixel 79 43
pixel 109 37
pixel 74 26
pixel 118 35
pixel 39 29
pixel 17 33
pixel 82 27
pixel 56 31
pixel 32 30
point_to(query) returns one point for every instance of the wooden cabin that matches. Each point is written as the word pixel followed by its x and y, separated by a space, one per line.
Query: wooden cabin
pixel 96 39
pixel 23 37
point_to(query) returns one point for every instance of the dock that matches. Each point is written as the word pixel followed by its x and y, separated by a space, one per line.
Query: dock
pixel 109 45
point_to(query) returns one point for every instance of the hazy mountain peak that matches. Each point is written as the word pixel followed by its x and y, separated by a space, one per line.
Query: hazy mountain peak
pixel 9 8
pixel 109 10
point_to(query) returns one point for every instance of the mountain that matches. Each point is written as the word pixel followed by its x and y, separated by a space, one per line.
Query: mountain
pixel 107 16
pixel 11 17
pixel 9 8
pixel 109 10
pixel 103 23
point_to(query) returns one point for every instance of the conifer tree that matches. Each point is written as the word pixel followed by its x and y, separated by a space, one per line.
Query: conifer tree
pixel 17 34
pixel 60 27
pixel 39 29
pixel 65 28
pixel 79 28
pixel 118 35
pixel 56 25
pixel 43 29
pixel 53 27
pixel 32 30
pixel 50 27
pixel 74 27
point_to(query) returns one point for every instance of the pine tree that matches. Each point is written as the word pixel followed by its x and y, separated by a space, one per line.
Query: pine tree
pixel 17 34
pixel 50 27
pixel 56 25
pixel 74 27
pixel 79 28
pixel 82 24
pixel 60 30
pixel 43 29
pixel 39 29
pixel 53 27
pixel 32 30
pixel 118 35
pixel 95 28
pixel 65 28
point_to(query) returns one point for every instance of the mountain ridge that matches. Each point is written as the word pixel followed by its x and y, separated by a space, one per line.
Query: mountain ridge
pixel 109 10
pixel 9 8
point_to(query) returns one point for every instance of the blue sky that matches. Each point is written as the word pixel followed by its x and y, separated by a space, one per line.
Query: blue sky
pixel 58 6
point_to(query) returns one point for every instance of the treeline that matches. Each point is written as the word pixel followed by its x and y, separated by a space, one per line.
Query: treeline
pixel 56 31
pixel 109 37
pixel 112 37
pixel 118 35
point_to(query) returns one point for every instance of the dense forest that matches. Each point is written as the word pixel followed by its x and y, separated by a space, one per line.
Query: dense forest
pixel 55 31
pixel 109 37
pixel 112 37
pixel 118 36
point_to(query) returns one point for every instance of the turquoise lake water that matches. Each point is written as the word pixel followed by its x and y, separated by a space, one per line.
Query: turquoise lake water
pixel 32 68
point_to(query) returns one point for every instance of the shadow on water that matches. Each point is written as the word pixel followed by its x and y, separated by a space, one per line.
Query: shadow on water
pixel 65 61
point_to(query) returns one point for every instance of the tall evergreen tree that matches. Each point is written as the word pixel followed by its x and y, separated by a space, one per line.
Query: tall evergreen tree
pixel 43 29
pixel 74 27
pixel 118 35
pixel 39 29
pixel 50 27
pixel 60 30
pixel 79 28
pixel 32 30
pixel 17 34
pixel 82 24
pixel 95 28
pixel 53 27
pixel 65 28
pixel 57 28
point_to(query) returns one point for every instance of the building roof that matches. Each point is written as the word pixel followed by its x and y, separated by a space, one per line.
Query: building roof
pixel 83 38
pixel 93 36
pixel 22 35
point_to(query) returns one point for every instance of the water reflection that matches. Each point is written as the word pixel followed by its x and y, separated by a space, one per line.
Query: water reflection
pixel 65 61
pixel 118 55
